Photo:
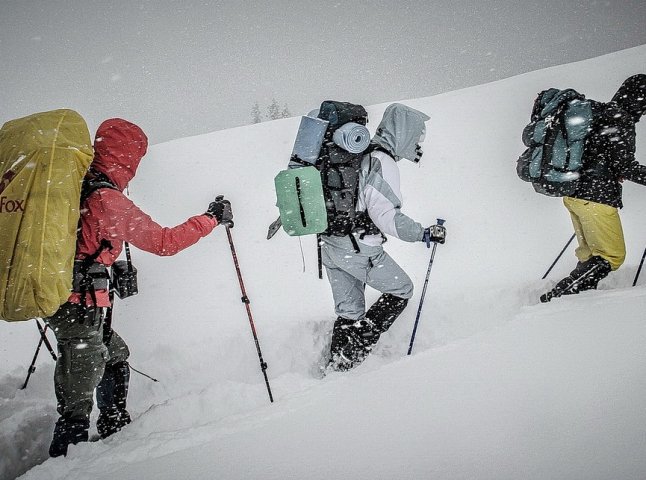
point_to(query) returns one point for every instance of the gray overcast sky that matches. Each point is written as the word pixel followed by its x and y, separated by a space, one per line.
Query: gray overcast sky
pixel 181 68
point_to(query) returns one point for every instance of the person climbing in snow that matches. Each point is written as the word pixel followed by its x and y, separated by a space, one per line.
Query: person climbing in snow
pixel 356 331
pixel 608 159
pixel 90 358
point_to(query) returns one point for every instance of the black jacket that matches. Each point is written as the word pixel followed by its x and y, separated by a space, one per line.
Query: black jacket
pixel 609 156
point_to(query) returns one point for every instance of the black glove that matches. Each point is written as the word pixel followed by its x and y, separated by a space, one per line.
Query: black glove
pixel 220 209
pixel 418 153
pixel 434 233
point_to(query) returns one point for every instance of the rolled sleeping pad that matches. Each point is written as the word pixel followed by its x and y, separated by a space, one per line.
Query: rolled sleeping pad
pixel 352 137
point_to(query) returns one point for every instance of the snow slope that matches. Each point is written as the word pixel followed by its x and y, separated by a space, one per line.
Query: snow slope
pixel 498 386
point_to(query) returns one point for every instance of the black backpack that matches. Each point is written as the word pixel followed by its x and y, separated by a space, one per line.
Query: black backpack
pixel 334 145
pixel 340 172
pixel 555 139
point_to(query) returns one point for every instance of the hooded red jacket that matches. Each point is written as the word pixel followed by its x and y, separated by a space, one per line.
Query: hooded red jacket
pixel 109 215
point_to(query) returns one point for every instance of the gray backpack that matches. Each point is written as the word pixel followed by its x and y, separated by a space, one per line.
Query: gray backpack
pixel 555 139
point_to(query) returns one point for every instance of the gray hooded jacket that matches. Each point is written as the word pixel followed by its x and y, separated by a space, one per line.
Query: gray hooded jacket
pixel 399 131
pixel 379 185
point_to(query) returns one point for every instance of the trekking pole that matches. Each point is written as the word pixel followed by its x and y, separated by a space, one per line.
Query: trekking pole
pixel 559 256
pixel 43 339
pixel 142 373
pixel 640 268
pixel 245 300
pixel 421 300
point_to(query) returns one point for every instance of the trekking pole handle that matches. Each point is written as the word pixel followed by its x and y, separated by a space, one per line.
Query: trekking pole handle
pixel 428 236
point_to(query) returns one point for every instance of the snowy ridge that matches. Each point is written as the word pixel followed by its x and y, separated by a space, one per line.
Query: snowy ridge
pixel 498 386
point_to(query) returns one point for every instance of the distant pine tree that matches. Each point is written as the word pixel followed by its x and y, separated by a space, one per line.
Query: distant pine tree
pixel 285 113
pixel 273 110
pixel 256 116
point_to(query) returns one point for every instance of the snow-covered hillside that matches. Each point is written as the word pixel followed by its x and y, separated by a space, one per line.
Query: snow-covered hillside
pixel 499 386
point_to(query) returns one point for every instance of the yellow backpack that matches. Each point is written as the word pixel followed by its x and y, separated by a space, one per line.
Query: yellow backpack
pixel 43 159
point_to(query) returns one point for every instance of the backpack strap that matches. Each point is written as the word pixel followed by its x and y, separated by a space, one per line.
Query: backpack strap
pixel 107 321
pixel 88 273
pixel 363 222
pixel 556 126
pixel 87 277
pixel 94 181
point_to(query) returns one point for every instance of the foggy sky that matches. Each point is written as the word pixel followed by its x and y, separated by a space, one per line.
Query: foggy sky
pixel 180 68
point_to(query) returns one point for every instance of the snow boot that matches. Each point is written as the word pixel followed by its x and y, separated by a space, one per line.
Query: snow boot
pixel 383 313
pixel 111 396
pixel 68 431
pixel 586 276
pixel 353 340
pixel 111 420
pixel 351 343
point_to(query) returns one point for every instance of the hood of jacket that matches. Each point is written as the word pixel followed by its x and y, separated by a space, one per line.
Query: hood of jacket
pixel 631 96
pixel 400 130
pixel 119 146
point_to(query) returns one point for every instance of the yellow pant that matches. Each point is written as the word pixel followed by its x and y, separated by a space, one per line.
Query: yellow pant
pixel 598 231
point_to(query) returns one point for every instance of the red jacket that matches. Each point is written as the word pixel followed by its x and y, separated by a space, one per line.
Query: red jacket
pixel 108 214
